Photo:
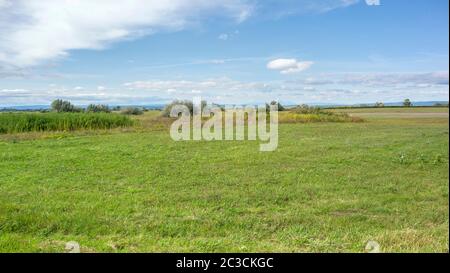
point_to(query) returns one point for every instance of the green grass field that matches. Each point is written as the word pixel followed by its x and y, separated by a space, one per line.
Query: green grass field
pixel 330 187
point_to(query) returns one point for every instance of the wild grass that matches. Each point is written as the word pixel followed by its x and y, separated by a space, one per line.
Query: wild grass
pixel 43 122
pixel 308 114
pixel 315 116
pixel 329 187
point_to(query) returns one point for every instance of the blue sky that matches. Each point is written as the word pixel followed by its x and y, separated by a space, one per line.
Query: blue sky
pixel 227 51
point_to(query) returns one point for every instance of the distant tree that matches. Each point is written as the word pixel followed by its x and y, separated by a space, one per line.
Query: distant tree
pixel 280 107
pixel 132 111
pixel 379 104
pixel 94 108
pixel 306 109
pixel 166 111
pixel 440 104
pixel 64 106
pixel 407 103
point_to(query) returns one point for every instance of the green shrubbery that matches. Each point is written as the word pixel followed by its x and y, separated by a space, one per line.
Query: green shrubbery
pixel 27 122
pixel 132 111
pixel 166 111
pixel 407 103
pixel 97 108
pixel 280 107
pixel 305 114
pixel 64 106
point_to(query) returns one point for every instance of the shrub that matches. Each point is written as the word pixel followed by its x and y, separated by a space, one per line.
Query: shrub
pixel 64 106
pixel 305 114
pixel 100 108
pixel 407 103
pixel 166 111
pixel 306 109
pixel 294 117
pixel 280 107
pixel 132 111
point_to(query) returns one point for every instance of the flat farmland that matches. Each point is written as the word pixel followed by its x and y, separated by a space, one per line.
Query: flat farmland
pixel 329 187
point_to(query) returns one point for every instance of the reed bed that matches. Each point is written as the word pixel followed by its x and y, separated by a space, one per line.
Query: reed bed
pixel 41 122
pixel 294 117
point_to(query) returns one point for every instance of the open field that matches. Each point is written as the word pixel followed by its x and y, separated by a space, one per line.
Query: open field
pixel 396 112
pixel 330 187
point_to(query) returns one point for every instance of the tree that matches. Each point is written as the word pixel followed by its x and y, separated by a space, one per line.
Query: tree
pixel 64 106
pixel 132 111
pixel 94 108
pixel 280 107
pixel 379 104
pixel 166 111
pixel 407 103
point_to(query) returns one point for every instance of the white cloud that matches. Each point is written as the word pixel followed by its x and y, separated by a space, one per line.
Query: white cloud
pixel 379 79
pixel 35 32
pixel 223 37
pixel 78 88
pixel 288 66
pixel 326 88
pixel 373 2
pixel 101 88
pixel 32 32
pixel 281 8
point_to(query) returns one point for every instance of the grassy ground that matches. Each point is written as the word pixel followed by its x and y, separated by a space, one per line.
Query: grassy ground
pixel 393 110
pixel 330 187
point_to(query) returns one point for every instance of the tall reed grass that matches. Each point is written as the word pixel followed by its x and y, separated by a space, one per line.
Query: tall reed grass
pixel 40 122
pixel 295 117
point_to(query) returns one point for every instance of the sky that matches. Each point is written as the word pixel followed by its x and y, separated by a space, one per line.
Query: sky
pixel 226 51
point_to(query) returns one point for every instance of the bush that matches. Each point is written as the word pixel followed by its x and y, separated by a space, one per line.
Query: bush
pixel 306 109
pixel 100 108
pixel 293 117
pixel 280 107
pixel 407 103
pixel 166 111
pixel 132 111
pixel 305 114
pixel 64 106
pixel 26 122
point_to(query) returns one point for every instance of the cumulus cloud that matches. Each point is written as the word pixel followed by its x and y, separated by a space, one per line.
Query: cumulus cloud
pixel 373 2
pixel 281 8
pixel 328 88
pixel 36 32
pixel 379 79
pixel 216 85
pixel 289 66
pixel 223 37
pixel 32 32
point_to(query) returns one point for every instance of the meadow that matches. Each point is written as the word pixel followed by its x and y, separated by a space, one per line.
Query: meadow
pixel 329 187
